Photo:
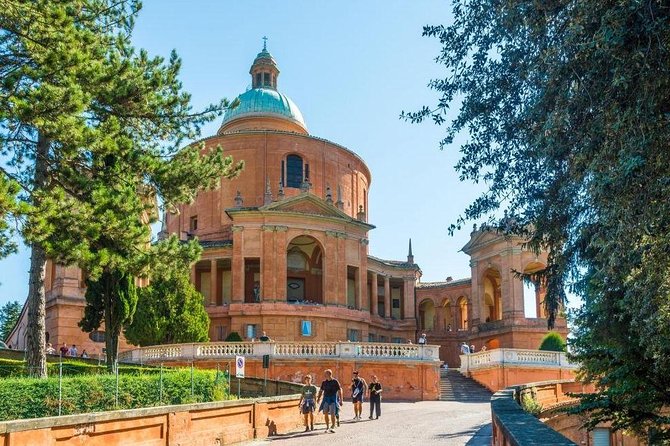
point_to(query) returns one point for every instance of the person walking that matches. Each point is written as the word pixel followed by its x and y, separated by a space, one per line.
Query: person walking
pixel 331 391
pixel 375 388
pixel 307 403
pixel 358 389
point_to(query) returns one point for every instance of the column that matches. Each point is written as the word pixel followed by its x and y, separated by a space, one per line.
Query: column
pixel 374 306
pixel 476 294
pixel 408 298
pixel 213 285
pixel 330 269
pixel 237 265
pixel 439 313
pixel 387 298
pixel 281 242
pixel 268 257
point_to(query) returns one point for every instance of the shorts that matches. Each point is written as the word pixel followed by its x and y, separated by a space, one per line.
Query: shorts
pixel 308 406
pixel 329 405
pixel 358 398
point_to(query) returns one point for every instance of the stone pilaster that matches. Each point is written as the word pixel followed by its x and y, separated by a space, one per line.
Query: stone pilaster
pixel 374 297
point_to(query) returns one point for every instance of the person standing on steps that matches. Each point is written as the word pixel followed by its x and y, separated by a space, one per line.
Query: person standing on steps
pixel 358 389
pixel 307 403
pixel 332 398
pixel 375 388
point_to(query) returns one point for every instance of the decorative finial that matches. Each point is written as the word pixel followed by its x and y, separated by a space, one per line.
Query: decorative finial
pixel 268 193
pixel 339 203
pixel 361 213
pixel 329 195
pixel 265 43
pixel 238 200
pixel 280 194
pixel 410 256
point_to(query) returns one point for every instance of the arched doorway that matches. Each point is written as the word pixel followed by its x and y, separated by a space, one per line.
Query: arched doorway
pixel 462 313
pixel 492 296
pixel 427 315
pixel 448 317
pixel 534 292
pixel 304 270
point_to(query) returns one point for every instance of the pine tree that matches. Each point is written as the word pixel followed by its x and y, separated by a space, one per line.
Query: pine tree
pixel 9 315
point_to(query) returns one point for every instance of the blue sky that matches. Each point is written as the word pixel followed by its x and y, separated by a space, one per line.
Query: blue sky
pixel 351 67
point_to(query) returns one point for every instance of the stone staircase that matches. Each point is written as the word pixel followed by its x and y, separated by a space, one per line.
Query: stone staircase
pixel 456 387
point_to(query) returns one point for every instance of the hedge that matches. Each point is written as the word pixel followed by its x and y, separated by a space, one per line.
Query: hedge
pixel 71 367
pixel 33 398
pixel 554 342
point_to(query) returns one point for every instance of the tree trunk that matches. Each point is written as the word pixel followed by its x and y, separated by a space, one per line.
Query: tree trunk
pixel 110 346
pixel 36 333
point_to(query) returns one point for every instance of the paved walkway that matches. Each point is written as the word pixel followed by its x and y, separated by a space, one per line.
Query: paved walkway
pixel 425 423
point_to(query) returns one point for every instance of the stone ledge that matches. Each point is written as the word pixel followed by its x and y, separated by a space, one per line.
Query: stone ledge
pixel 518 427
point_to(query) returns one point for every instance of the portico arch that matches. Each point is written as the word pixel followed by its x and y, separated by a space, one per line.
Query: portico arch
pixel 304 270
pixel 427 315
pixel 462 317
pixel 492 298
pixel 535 291
pixel 449 322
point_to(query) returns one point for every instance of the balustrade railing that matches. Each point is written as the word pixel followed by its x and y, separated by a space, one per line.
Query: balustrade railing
pixel 228 350
pixel 514 356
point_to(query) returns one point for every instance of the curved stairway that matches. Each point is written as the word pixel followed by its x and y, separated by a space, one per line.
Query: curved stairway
pixel 456 387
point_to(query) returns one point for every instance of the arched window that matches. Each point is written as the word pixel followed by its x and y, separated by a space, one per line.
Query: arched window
pixel 293 171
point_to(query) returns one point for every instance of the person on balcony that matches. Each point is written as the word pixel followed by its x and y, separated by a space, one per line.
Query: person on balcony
pixel 332 398
pixel 307 403
pixel 264 338
pixel 375 388
pixel 422 340
pixel 465 350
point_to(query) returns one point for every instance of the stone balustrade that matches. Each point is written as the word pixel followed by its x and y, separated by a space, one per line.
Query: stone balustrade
pixel 514 357
pixel 283 350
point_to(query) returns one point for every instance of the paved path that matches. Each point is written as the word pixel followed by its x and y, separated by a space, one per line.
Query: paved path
pixel 425 423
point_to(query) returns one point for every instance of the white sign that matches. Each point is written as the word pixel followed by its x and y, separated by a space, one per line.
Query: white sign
pixel 239 366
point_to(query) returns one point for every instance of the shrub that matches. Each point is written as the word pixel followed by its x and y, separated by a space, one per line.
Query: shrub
pixel 531 405
pixel 553 341
pixel 234 337
pixel 16 368
pixel 31 398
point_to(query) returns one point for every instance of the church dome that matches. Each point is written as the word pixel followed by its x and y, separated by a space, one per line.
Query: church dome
pixel 263 107
pixel 265 102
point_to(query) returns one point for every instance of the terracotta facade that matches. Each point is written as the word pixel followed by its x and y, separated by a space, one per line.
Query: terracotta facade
pixel 286 250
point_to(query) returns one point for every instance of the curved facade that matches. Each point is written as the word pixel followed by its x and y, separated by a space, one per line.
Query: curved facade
pixel 286 243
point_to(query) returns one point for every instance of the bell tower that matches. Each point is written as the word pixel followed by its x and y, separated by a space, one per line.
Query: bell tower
pixel 264 71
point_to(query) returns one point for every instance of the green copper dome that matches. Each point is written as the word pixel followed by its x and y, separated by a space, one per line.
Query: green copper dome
pixel 265 102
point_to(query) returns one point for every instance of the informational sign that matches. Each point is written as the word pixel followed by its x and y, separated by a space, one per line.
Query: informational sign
pixel 239 366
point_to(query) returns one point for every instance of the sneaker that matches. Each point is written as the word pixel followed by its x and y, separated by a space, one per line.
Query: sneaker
pixel 338 422
pixel 332 431
pixel 370 417
pixel 306 429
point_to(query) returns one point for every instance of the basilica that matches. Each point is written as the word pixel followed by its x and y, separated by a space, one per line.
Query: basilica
pixel 285 251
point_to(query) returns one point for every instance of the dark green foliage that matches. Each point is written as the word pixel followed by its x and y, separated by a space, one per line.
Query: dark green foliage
pixel 170 310
pixel 9 315
pixel 234 336
pixel 17 368
pixel 553 341
pixel 111 299
pixel 31 398
pixel 567 106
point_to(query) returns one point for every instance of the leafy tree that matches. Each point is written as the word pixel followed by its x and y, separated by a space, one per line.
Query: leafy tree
pixel 553 341
pixel 9 315
pixel 170 310
pixel 92 132
pixel 567 106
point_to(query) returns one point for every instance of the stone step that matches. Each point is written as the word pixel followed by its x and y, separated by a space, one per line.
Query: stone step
pixel 456 387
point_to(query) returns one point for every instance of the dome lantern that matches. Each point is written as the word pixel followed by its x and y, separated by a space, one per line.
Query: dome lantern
pixel 264 71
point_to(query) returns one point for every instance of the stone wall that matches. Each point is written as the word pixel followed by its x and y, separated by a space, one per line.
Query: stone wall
pixel 223 422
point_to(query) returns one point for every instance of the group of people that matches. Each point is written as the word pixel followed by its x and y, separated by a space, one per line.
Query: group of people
pixel 329 399
pixel 64 351
pixel 471 349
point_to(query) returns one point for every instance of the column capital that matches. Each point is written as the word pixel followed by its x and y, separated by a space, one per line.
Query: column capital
pixel 237 228
pixel 281 228
pixel 268 228
pixel 365 242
